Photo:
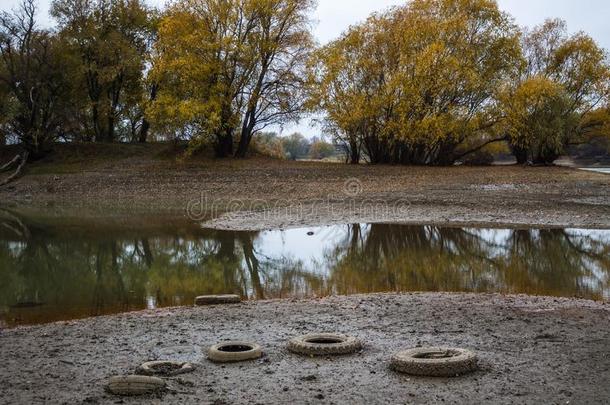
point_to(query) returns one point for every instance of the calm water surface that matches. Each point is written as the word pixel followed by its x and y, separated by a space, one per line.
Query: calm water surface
pixel 60 272
pixel 605 170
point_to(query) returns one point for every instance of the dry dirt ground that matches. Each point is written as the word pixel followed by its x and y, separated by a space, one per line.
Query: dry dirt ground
pixel 263 193
pixel 532 351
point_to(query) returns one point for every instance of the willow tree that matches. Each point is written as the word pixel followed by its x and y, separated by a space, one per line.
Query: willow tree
pixel 109 38
pixel 349 85
pixel 417 84
pixel 564 80
pixel 230 68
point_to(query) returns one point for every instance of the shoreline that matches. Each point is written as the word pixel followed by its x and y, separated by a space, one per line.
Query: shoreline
pixel 522 342
pixel 259 193
pixel 257 221
pixel 580 302
pixel 439 217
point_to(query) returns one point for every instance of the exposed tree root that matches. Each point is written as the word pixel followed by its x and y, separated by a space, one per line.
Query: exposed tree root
pixel 18 172
pixel 10 164
pixel 14 223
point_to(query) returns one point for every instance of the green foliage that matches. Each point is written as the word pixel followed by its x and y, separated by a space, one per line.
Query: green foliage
pixel 296 146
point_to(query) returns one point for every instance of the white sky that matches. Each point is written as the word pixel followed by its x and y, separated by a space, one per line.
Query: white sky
pixel 334 16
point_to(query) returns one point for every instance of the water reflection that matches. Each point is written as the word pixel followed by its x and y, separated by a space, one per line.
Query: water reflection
pixel 53 272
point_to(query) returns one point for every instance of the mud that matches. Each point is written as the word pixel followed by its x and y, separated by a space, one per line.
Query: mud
pixel 259 193
pixel 531 350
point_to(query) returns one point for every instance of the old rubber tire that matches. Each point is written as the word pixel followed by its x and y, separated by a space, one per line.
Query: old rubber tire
pixel 133 385
pixel 165 368
pixel 217 299
pixel 323 344
pixel 434 362
pixel 231 352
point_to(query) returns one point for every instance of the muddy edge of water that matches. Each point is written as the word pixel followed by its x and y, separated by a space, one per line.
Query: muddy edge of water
pixel 532 350
pixel 320 194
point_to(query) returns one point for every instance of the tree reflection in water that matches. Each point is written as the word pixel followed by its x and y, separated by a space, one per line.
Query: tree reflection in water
pixel 50 273
pixel 554 262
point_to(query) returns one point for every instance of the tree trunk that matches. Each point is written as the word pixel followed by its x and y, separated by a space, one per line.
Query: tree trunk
pixel 97 130
pixel 148 256
pixel 18 172
pixel 224 144
pixel 246 135
pixel 354 152
pixel 10 163
pixel 445 155
pixel 244 144
pixel 224 139
pixel 143 137
pixel 547 159
pixel 520 154
pixel 109 138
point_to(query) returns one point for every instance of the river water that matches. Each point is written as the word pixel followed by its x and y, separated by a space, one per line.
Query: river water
pixel 54 272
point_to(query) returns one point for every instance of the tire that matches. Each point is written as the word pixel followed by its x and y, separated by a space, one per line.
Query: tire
pixel 232 352
pixel 217 299
pixel 324 344
pixel 435 362
pixel 134 385
pixel 165 368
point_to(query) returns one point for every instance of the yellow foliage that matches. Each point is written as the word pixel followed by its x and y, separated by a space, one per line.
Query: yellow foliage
pixel 229 66
pixel 419 79
pixel 563 80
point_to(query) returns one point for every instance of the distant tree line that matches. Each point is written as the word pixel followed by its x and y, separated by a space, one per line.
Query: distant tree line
pixel 296 147
pixel 429 83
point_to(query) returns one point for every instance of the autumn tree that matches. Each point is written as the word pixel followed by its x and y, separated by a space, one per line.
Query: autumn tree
pixel 231 68
pixel 416 84
pixel 321 149
pixel 295 146
pixel 349 86
pixel 563 81
pixel 281 45
pixel 197 60
pixel 596 123
pixel 33 82
pixel 109 37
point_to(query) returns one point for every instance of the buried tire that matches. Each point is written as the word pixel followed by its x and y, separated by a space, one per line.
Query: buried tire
pixel 435 362
pixel 323 344
pixel 134 385
pixel 231 352
pixel 217 299
pixel 165 368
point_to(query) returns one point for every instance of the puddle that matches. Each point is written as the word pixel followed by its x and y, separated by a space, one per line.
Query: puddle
pixel 79 271
pixel 604 170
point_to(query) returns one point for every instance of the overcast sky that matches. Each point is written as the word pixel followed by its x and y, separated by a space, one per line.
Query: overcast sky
pixel 334 16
